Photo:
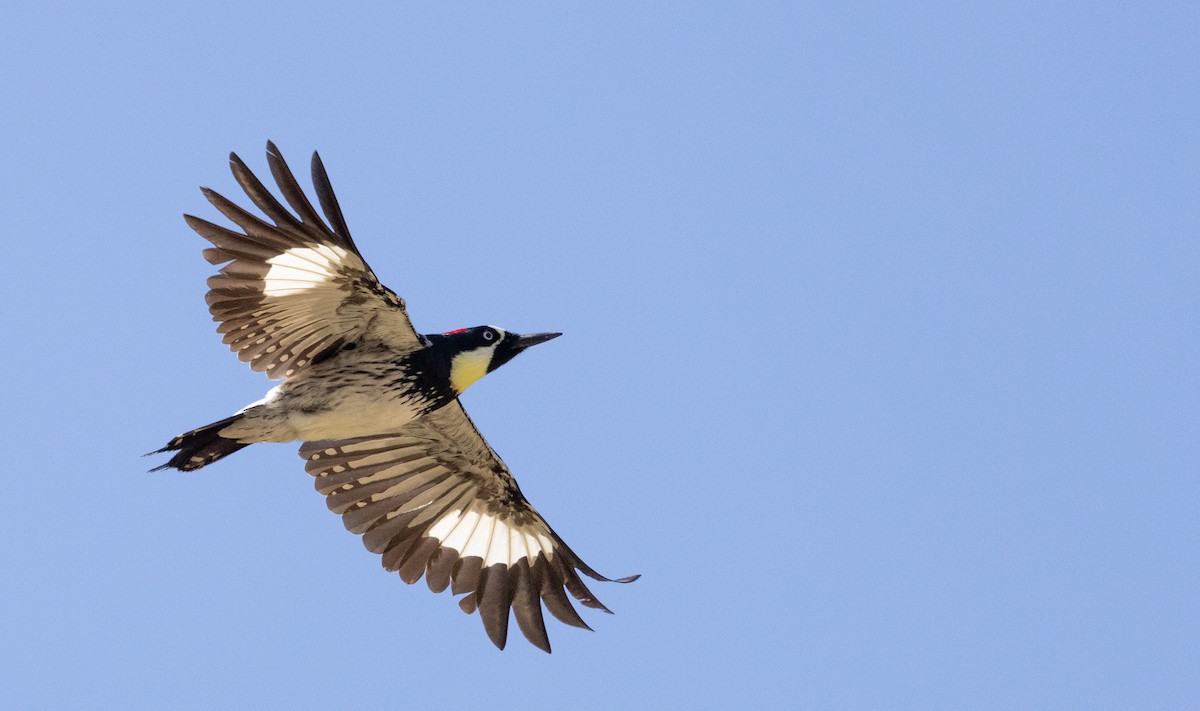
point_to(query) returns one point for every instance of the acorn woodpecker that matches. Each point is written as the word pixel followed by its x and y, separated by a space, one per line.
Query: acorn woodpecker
pixel 376 406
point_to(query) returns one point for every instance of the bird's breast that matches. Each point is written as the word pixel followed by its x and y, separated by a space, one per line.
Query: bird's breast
pixel 355 417
pixel 364 393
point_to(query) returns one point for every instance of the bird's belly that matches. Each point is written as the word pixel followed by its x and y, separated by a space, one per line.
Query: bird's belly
pixel 353 417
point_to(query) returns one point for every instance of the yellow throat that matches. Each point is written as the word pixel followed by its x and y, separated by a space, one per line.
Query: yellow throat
pixel 468 367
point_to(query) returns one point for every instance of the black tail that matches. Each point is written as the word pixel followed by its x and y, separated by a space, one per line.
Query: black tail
pixel 200 447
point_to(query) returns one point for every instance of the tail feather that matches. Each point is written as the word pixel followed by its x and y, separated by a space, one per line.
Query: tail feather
pixel 200 447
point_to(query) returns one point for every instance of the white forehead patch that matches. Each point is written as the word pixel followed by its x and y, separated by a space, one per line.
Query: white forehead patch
pixel 302 268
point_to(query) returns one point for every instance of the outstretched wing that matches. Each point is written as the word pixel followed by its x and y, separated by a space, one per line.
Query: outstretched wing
pixel 436 501
pixel 296 289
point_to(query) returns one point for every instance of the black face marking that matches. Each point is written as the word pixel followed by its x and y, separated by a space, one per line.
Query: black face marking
pixel 505 345
pixel 505 351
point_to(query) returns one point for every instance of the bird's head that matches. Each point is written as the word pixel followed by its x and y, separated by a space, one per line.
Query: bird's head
pixel 475 352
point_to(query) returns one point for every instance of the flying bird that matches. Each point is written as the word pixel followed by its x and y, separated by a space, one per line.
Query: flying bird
pixel 376 407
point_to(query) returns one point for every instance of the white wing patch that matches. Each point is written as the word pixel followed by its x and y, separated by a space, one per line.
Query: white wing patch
pixel 302 268
pixel 437 503
pixel 488 537
pixel 291 287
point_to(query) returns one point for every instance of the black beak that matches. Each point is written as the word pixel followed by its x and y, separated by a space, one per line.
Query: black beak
pixel 533 339
pixel 514 343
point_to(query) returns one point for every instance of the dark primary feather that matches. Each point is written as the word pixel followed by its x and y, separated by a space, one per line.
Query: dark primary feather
pixel 293 193
pixel 329 202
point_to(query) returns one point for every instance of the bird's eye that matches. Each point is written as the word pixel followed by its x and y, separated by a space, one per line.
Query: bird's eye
pixel 489 335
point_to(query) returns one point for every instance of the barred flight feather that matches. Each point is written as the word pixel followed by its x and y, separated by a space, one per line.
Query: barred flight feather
pixel 436 502
pixel 293 288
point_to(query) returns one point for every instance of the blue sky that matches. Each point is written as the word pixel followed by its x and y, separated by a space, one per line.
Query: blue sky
pixel 880 353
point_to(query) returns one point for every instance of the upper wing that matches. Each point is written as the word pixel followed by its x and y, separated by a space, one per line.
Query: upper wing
pixel 435 500
pixel 295 289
